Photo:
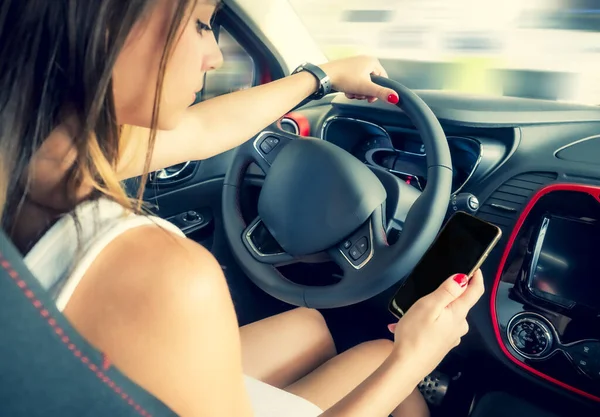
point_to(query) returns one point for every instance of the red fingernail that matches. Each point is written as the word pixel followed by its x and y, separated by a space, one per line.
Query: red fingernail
pixel 392 328
pixel 393 98
pixel 461 279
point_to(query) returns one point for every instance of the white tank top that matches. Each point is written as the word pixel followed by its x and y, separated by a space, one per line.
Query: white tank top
pixel 63 255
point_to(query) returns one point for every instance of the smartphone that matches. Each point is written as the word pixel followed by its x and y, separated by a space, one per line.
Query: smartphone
pixel 461 247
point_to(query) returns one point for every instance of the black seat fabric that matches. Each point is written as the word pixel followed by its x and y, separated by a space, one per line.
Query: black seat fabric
pixel 500 404
pixel 46 367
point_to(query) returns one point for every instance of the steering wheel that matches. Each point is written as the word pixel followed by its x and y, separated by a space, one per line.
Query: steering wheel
pixel 320 201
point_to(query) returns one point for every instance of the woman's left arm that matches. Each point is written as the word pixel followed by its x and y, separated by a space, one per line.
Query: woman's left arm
pixel 225 122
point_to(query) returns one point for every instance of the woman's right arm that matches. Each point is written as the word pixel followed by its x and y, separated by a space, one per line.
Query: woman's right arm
pixel 428 331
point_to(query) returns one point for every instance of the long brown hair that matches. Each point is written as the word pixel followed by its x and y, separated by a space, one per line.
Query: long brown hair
pixel 56 60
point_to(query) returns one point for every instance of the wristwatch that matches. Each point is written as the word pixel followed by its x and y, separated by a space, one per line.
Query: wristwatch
pixel 322 78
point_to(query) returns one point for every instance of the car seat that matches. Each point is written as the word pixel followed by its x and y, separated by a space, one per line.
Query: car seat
pixel 46 367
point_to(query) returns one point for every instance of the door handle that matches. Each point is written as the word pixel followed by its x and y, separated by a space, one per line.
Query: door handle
pixel 172 174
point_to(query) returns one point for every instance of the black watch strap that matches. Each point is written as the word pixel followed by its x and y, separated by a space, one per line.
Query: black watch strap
pixel 322 78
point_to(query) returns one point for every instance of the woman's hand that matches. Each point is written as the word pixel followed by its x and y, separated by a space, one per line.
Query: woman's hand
pixel 426 333
pixel 435 323
pixel 353 77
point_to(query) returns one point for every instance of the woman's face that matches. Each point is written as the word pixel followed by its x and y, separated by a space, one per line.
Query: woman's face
pixel 136 71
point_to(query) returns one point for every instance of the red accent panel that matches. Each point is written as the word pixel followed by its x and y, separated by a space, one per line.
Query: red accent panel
pixel 301 121
pixel 587 189
pixel 58 330
pixel 265 78
pixel 265 75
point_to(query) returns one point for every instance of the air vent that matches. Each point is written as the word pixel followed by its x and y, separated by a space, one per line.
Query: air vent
pixel 506 203
pixel 290 125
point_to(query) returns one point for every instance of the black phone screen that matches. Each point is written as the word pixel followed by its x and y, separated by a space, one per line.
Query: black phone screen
pixel 458 248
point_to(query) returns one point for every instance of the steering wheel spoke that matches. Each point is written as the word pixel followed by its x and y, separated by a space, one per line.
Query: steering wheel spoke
pixel 267 145
pixel 354 252
pixel 359 249
pixel 400 198
pixel 263 247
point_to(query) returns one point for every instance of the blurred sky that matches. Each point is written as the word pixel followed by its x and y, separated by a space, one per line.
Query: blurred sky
pixel 546 49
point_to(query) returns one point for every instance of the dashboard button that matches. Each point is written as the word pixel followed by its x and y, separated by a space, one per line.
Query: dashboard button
pixel 587 348
pixel 347 244
pixel 272 141
pixel 362 245
pixel 265 147
pixel 591 348
pixel 586 356
pixel 473 203
pixel 355 253
pixel 583 363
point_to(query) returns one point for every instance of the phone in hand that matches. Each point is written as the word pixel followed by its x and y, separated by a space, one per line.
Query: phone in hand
pixel 461 247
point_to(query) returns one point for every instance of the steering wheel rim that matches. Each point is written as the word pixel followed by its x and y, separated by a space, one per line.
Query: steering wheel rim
pixel 383 265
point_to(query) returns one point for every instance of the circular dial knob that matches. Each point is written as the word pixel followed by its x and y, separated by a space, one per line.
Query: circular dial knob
pixel 192 216
pixel 464 202
pixel 530 336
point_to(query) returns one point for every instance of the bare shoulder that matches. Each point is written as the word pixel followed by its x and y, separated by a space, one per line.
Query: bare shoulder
pixel 158 305
pixel 162 254
pixel 149 270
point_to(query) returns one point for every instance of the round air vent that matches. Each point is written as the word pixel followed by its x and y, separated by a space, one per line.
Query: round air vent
pixel 290 125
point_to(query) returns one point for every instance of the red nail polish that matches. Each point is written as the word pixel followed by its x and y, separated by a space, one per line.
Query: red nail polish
pixel 461 279
pixel 393 98
pixel 392 328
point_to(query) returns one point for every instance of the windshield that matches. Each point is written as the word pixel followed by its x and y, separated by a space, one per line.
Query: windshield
pixel 544 49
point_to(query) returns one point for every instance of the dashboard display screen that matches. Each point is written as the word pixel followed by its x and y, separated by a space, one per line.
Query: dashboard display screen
pixel 565 267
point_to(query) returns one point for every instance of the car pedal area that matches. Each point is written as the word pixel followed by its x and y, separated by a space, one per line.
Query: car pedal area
pixel 434 388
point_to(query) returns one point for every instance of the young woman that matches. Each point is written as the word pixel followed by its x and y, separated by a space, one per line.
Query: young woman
pixel 93 92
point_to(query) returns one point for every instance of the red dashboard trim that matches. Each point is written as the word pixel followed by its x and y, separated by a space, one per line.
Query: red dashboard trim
pixel 588 189
pixel 302 122
pixel 265 74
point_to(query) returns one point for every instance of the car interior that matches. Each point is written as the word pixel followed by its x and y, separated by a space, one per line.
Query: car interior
pixel 390 177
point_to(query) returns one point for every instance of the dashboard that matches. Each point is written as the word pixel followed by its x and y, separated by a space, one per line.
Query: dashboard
pixel 526 161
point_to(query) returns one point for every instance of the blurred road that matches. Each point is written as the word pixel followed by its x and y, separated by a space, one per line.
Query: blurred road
pixel 547 49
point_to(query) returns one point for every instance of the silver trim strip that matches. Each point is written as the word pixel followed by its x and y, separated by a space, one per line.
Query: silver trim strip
pixel 536 251
pixel 371 250
pixel 567 345
pixel 253 246
pixel 574 143
pixel 477 163
pixel 393 171
pixel 504 208
pixel 419 155
pixel 546 326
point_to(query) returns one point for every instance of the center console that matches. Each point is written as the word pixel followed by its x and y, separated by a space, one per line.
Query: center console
pixel 546 296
